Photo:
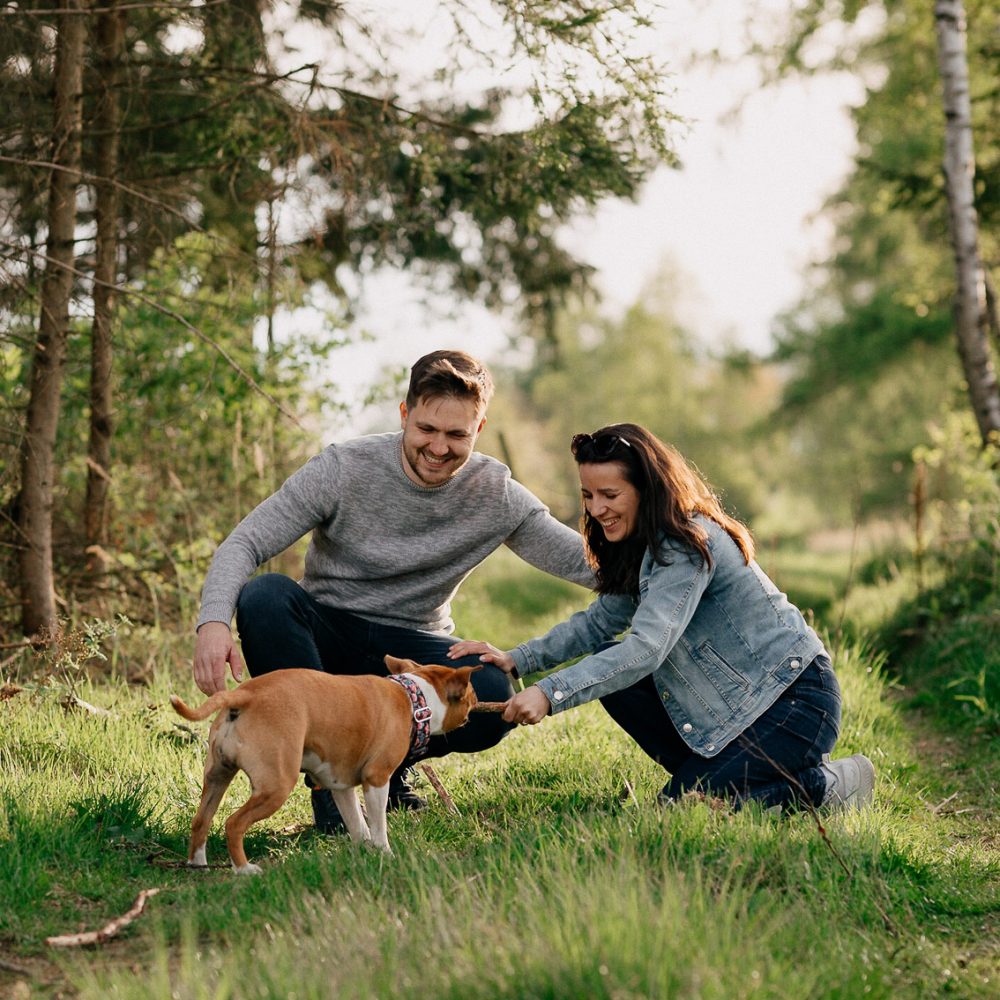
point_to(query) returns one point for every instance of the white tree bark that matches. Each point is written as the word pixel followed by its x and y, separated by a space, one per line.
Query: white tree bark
pixel 971 315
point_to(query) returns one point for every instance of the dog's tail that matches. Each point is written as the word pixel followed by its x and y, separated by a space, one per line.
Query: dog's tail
pixel 222 699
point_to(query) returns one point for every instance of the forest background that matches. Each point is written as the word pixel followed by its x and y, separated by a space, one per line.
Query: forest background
pixel 178 184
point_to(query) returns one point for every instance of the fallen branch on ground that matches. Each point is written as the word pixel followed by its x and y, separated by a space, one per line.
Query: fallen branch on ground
pixel 71 701
pixel 107 932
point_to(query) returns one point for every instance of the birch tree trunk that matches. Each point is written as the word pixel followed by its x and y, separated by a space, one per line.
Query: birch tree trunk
pixel 110 36
pixel 48 360
pixel 971 315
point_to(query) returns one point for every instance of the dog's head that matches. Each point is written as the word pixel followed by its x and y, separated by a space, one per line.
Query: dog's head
pixel 451 683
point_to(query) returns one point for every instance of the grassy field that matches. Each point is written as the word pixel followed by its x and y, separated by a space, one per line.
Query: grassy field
pixel 560 877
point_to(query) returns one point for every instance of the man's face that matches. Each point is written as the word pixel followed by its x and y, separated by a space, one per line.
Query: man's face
pixel 439 434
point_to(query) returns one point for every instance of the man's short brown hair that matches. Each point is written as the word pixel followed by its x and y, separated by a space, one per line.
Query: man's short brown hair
pixel 449 373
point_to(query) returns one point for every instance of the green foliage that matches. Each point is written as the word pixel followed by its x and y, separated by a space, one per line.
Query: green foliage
pixel 946 637
pixel 855 351
pixel 872 341
pixel 221 116
pixel 964 512
pixel 644 368
pixel 198 444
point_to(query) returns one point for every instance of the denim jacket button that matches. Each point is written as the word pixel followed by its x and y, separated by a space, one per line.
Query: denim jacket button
pixel 687 727
pixel 795 664
pixel 558 695
pixel 710 747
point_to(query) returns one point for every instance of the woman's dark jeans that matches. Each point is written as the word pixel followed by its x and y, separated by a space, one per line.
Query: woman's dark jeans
pixel 281 626
pixel 775 761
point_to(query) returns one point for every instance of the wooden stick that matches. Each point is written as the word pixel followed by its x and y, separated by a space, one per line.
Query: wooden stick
pixel 489 706
pixel 439 788
pixel 71 701
pixel 108 931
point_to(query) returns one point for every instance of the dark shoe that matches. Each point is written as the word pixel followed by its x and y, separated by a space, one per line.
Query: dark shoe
pixel 850 782
pixel 401 793
pixel 326 815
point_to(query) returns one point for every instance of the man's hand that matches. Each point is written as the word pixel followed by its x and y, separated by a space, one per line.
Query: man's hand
pixel 487 653
pixel 213 649
pixel 527 707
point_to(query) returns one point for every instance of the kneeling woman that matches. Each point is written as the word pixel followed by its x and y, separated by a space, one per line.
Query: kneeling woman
pixel 692 650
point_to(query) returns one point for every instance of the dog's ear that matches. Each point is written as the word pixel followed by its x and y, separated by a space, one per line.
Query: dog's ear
pixel 397 666
pixel 458 682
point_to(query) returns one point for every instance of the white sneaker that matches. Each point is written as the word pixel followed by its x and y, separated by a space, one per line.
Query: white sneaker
pixel 850 782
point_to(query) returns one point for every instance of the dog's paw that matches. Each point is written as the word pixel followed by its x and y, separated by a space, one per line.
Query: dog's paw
pixel 199 860
pixel 248 869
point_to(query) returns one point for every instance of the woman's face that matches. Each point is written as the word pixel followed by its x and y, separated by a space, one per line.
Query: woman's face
pixel 610 498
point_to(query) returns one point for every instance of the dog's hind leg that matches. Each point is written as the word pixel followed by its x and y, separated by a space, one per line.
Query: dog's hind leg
pixel 350 810
pixel 270 792
pixel 218 777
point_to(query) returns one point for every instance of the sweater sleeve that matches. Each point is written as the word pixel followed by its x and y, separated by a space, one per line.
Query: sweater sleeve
pixel 546 543
pixel 305 500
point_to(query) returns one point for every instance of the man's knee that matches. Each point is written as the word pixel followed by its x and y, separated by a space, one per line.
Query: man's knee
pixel 491 683
pixel 267 623
pixel 266 594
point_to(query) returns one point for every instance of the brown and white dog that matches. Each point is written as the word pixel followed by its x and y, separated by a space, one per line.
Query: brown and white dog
pixel 344 731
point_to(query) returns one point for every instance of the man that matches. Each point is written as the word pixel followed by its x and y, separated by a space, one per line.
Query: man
pixel 398 521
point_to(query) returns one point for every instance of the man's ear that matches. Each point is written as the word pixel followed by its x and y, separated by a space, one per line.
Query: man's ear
pixel 482 424
pixel 403 414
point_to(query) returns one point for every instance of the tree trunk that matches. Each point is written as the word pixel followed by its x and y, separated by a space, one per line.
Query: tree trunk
pixel 110 36
pixel 972 320
pixel 37 467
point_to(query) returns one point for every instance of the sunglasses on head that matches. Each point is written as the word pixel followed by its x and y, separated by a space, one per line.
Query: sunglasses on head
pixel 598 447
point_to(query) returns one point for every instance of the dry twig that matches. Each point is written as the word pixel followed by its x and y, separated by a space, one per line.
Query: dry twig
pixel 71 701
pixel 439 788
pixel 108 931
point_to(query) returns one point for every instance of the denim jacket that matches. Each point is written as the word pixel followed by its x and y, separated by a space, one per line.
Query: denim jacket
pixel 721 642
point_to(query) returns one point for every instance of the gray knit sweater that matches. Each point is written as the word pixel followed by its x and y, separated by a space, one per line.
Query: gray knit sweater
pixel 385 548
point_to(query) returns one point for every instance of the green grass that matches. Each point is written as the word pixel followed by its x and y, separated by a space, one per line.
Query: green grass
pixel 560 877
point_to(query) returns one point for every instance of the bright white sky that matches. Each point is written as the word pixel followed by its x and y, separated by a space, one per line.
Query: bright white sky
pixel 738 220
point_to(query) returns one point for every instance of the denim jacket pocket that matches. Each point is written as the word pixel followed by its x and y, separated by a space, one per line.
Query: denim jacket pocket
pixel 729 682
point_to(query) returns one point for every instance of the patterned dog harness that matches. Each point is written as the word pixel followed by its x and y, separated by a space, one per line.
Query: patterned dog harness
pixel 421 714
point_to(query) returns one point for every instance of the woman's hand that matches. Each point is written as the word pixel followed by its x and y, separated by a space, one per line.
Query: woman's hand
pixel 527 707
pixel 486 652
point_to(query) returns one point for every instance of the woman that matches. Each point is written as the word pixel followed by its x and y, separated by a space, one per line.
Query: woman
pixel 692 649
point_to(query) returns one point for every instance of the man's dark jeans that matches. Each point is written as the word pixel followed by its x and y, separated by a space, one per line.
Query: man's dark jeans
pixel 281 626
pixel 775 761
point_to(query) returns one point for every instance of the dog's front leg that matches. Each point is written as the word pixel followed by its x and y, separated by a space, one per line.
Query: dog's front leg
pixel 350 810
pixel 376 800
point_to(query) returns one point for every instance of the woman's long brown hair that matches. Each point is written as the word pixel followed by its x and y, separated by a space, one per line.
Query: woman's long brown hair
pixel 670 493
